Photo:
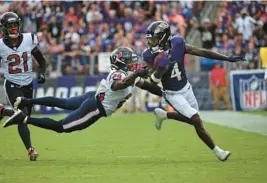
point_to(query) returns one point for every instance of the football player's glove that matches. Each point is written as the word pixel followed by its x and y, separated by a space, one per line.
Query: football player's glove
pixel 234 58
pixel 40 78
pixel 143 72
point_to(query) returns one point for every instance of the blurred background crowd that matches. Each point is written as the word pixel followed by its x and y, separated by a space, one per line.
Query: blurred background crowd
pixel 72 34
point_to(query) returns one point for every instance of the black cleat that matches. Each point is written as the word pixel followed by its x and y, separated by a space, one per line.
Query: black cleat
pixel 17 118
pixel 20 103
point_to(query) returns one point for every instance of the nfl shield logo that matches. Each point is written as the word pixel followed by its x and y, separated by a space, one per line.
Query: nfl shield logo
pixel 252 93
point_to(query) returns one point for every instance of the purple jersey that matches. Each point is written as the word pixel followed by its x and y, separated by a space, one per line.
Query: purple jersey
pixel 173 60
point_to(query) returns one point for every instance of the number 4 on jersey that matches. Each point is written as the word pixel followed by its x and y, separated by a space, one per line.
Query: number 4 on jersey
pixel 175 72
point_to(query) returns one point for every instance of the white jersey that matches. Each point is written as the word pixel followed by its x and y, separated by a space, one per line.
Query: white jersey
pixel 17 62
pixel 114 99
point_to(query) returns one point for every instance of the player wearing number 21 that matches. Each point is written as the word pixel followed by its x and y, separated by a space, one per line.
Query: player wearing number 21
pixel 16 50
pixel 165 57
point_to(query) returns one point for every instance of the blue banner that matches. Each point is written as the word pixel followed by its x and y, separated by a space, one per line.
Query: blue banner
pixel 248 90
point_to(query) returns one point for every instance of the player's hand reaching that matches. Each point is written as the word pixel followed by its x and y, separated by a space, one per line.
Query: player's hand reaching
pixel 40 78
pixel 234 58
pixel 143 72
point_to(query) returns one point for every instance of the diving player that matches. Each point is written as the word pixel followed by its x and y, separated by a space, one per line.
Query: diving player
pixel 165 55
pixel 88 108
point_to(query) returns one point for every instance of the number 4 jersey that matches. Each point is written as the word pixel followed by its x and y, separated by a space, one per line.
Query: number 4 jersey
pixel 17 61
pixel 174 78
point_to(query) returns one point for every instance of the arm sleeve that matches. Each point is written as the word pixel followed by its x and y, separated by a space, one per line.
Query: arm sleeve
pixel 34 40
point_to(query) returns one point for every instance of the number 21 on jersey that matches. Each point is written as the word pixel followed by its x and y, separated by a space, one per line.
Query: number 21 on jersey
pixel 175 72
pixel 15 60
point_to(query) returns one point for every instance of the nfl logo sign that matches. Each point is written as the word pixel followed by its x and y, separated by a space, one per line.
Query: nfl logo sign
pixel 252 93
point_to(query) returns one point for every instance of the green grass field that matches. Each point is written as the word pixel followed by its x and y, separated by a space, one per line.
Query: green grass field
pixel 262 113
pixel 128 149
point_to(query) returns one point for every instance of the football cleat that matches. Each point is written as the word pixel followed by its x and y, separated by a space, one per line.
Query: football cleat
pixel 160 117
pixel 33 155
pixel 20 103
pixel 223 155
pixel 17 118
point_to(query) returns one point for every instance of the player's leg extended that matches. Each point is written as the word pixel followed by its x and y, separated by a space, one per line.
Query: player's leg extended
pixel 186 105
pixel 180 103
pixel 81 118
pixel 63 103
pixel 5 111
pixel 12 92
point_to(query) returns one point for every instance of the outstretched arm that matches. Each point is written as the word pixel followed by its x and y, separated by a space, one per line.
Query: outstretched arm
pixel 152 88
pixel 120 84
pixel 192 50
pixel 37 54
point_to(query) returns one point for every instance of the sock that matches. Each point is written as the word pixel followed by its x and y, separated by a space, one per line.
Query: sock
pixel 24 133
pixel 164 114
pixel 45 123
pixel 8 112
pixel 216 150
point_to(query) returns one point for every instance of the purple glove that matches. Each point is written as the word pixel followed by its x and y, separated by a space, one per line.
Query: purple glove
pixel 234 58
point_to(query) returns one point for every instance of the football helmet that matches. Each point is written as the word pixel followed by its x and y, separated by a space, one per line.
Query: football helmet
pixel 124 58
pixel 10 25
pixel 158 36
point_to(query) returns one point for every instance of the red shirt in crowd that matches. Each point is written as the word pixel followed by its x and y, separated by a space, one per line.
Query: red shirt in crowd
pixel 218 77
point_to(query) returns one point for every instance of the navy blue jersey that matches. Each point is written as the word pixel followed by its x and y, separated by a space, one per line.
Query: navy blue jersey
pixel 174 77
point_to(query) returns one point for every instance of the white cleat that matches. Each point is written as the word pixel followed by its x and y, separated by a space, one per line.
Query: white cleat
pixel 223 155
pixel 17 103
pixel 160 117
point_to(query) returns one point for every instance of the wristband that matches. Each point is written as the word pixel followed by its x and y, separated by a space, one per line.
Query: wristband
pixel 154 79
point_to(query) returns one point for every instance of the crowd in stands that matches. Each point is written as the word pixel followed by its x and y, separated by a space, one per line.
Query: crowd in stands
pixel 240 28
pixel 71 34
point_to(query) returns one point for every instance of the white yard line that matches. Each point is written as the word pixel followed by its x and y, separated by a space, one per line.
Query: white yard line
pixel 238 120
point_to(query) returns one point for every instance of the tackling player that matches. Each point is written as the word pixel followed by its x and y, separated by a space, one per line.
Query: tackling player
pixel 88 108
pixel 165 55
pixel 16 51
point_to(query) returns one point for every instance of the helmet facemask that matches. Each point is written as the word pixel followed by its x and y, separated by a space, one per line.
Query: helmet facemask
pixel 124 59
pixel 158 36
pixel 13 29
pixel 10 25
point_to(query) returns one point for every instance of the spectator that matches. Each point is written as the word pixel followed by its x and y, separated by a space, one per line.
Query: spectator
pixel 4 6
pixel 263 52
pixel 252 57
pixel 207 34
pixel 225 45
pixel 55 28
pixel 219 86
pixel 245 24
